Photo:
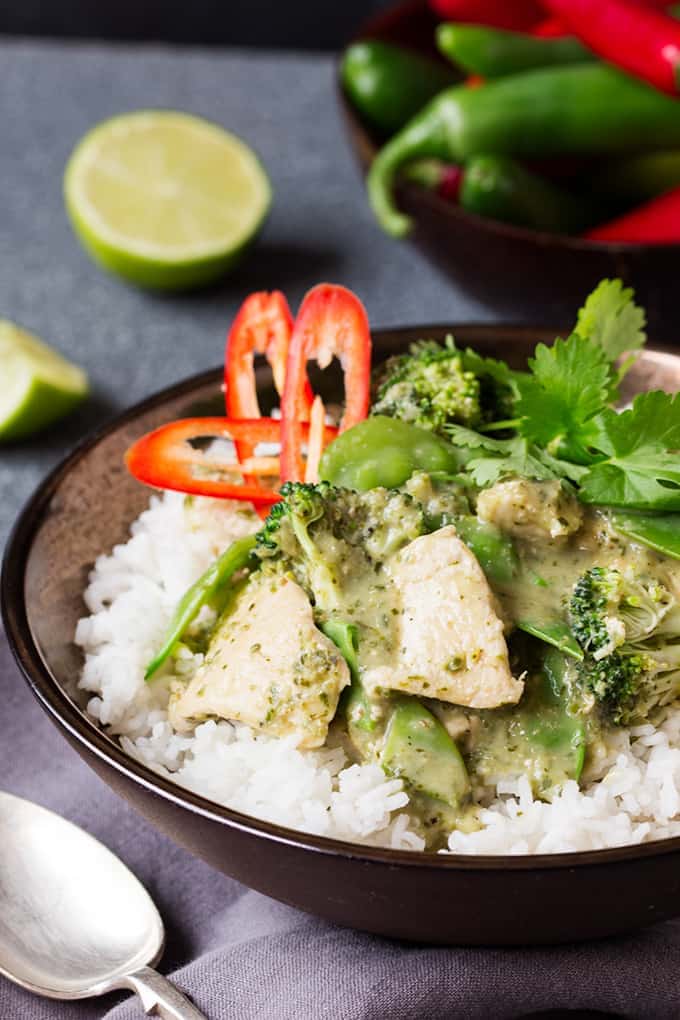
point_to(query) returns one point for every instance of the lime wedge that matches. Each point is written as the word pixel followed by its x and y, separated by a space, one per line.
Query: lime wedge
pixel 37 385
pixel 166 200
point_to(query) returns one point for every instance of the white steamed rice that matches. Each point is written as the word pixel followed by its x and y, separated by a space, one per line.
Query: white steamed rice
pixel 634 797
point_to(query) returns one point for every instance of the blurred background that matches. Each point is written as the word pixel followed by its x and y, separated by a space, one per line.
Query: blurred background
pixel 301 25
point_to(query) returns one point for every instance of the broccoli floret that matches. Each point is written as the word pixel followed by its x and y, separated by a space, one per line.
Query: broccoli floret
pixel 635 682
pixel 286 533
pixel 631 662
pixel 436 385
pixel 429 387
pixel 323 534
pixel 608 608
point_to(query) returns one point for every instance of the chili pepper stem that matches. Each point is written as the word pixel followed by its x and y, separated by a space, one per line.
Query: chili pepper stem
pixel 420 138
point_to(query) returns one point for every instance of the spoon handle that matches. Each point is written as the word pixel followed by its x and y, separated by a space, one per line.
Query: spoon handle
pixel 160 997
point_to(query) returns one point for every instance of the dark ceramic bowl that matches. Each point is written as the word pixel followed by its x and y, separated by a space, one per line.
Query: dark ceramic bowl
pixel 537 277
pixel 84 507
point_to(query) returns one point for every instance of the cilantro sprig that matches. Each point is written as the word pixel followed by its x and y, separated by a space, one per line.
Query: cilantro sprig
pixel 563 424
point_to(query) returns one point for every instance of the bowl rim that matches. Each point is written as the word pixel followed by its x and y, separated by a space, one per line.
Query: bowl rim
pixel 376 27
pixel 86 733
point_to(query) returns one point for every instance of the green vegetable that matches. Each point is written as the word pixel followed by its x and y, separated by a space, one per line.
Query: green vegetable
pixel 212 588
pixel 658 531
pixel 574 379
pixel 383 451
pixel 569 384
pixel 612 320
pixel 499 188
pixel 356 705
pixel 286 532
pixel 582 109
pixel 607 609
pixel 636 450
pixel 319 532
pixel 495 53
pixel 494 551
pixel 429 387
pixel 567 427
pixel 419 750
pixel 387 84
pixel 552 632
pixel 630 634
pixel 488 460
pixel 552 726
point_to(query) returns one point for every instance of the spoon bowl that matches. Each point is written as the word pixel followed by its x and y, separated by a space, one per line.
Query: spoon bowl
pixel 74 921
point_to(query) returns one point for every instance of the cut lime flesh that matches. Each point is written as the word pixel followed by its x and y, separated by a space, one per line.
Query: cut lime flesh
pixel 164 199
pixel 37 385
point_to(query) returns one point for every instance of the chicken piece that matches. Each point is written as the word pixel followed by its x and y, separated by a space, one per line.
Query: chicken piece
pixel 537 511
pixel 449 637
pixel 267 666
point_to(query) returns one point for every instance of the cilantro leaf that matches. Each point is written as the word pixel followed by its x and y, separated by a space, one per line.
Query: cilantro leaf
pixel 612 320
pixel 640 468
pixel 569 384
pixel 489 459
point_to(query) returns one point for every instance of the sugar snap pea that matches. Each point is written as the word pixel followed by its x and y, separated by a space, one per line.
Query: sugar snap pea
pixel 211 588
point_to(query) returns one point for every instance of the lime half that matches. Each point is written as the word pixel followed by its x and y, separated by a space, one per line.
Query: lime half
pixel 164 199
pixel 37 385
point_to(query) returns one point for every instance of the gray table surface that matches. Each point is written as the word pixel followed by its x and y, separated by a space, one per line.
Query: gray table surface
pixel 133 343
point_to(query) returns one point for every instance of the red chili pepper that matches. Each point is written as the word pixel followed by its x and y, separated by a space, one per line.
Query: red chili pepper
pixel 451 182
pixel 165 458
pixel 517 14
pixel 551 28
pixel 656 222
pixel 331 321
pixel 643 41
pixel 263 325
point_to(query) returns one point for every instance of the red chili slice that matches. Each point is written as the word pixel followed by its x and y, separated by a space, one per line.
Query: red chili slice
pixel 263 325
pixel 331 321
pixel 165 458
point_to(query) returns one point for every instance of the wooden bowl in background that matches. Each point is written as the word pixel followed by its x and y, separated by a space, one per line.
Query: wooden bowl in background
pixel 526 275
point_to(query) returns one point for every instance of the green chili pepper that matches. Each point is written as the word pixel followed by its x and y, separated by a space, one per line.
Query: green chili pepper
pixel 624 183
pixel 587 108
pixel 420 751
pixel 385 451
pixel 388 84
pixel 493 550
pixel 498 188
pixel 212 588
pixel 659 531
pixel 495 53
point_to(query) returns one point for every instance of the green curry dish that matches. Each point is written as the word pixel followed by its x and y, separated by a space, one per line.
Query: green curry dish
pixel 429 387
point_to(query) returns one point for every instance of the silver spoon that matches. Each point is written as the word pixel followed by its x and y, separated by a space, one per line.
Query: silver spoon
pixel 74 922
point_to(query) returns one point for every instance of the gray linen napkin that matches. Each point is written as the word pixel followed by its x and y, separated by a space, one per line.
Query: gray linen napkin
pixel 243 956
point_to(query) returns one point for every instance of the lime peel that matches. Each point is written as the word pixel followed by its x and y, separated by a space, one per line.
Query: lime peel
pixel 165 199
pixel 37 385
